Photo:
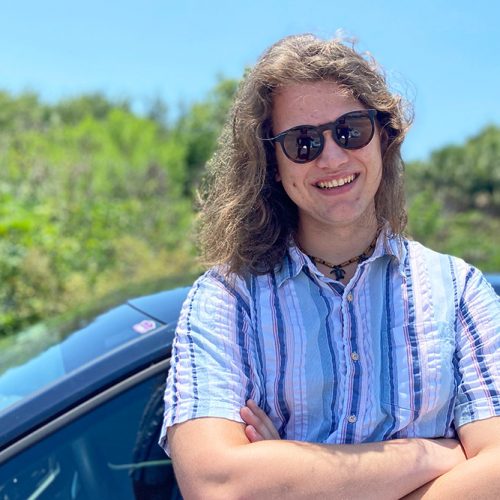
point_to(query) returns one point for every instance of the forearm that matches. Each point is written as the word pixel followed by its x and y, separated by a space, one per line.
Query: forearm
pixel 273 469
pixel 478 477
pixel 375 470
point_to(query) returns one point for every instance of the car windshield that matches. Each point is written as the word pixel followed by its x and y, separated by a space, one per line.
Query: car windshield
pixel 56 359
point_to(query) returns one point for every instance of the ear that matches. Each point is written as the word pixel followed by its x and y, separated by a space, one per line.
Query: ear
pixel 277 176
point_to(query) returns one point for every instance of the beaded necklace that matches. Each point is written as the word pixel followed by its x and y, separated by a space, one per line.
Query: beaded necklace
pixel 337 269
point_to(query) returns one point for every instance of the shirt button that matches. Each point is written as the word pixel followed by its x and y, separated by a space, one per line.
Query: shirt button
pixel 354 356
pixel 352 419
pixel 349 297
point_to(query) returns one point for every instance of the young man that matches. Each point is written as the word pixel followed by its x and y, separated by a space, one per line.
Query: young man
pixel 324 354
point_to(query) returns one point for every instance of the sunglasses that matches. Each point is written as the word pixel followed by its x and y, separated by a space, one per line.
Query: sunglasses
pixel 304 143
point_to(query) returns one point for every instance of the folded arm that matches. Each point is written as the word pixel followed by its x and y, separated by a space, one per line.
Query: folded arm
pixel 479 476
pixel 213 458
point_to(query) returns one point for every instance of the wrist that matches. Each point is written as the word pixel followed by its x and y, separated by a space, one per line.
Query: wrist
pixel 442 455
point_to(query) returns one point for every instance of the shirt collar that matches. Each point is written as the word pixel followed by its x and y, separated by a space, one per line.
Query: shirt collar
pixel 295 260
pixel 389 244
pixel 392 246
pixel 292 264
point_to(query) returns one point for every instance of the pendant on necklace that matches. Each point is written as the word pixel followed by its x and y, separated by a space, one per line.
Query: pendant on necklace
pixel 338 271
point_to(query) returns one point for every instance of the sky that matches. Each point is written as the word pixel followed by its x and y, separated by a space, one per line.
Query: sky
pixel 442 55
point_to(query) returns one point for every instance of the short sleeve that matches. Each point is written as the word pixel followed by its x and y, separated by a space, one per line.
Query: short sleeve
pixel 212 372
pixel 478 351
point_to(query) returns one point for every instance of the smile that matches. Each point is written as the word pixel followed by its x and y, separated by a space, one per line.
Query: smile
pixel 336 182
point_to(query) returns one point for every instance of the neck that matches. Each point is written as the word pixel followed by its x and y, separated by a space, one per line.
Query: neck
pixel 337 244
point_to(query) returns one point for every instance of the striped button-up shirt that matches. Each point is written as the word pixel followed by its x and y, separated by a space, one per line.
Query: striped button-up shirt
pixel 410 347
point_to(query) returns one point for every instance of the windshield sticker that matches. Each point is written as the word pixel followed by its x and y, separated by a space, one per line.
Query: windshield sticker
pixel 144 326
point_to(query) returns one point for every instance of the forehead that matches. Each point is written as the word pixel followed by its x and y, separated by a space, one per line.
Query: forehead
pixel 311 103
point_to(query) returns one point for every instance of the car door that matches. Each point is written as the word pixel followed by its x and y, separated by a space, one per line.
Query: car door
pixel 106 447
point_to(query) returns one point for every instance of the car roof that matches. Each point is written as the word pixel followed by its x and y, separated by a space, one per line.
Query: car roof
pixel 494 279
pixel 162 306
pixel 116 344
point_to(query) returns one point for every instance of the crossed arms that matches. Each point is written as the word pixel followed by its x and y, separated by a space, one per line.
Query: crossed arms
pixel 219 458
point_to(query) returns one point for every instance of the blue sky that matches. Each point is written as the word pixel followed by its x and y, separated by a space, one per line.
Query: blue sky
pixel 444 55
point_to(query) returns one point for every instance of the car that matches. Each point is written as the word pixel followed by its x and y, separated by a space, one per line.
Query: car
pixel 81 420
pixel 494 280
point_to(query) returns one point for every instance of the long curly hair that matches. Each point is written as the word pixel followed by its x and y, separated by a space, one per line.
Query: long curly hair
pixel 247 219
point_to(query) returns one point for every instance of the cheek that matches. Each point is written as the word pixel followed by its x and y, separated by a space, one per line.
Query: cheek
pixel 291 188
pixel 288 174
pixel 379 171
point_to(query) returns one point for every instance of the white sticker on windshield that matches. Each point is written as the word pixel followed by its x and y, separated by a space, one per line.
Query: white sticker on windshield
pixel 144 326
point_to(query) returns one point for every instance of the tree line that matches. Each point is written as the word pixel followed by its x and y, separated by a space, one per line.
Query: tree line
pixel 96 199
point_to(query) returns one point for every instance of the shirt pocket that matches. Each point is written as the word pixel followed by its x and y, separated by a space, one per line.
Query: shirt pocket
pixel 417 373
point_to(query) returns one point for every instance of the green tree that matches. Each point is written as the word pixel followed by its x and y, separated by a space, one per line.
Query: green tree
pixel 94 198
pixel 200 127
pixel 454 199
pixel 464 176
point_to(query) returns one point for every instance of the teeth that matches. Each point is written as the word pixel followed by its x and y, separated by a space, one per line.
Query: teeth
pixel 336 182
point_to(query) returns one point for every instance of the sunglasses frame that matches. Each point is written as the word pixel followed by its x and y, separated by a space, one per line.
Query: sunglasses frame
pixel 362 113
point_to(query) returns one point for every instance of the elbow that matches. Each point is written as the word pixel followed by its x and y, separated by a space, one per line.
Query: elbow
pixel 215 482
pixel 211 482
pixel 212 490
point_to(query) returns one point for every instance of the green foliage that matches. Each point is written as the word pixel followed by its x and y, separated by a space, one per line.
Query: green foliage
pixel 74 110
pixel 454 200
pixel 465 177
pixel 199 129
pixel 95 199
pixel 21 113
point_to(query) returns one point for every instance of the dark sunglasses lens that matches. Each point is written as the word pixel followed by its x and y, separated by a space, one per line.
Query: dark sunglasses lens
pixel 353 131
pixel 302 144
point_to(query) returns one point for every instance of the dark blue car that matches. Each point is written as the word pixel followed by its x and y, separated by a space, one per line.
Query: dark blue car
pixel 81 420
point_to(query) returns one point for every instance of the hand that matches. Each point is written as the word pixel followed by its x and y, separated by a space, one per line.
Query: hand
pixel 259 426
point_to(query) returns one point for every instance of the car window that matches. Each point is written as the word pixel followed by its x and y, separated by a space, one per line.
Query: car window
pixel 110 452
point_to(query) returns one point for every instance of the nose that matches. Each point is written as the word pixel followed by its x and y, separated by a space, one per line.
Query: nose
pixel 332 155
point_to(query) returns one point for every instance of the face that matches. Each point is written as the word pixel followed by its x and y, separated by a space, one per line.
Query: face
pixel 338 188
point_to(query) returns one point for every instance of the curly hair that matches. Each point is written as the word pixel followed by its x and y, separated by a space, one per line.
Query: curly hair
pixel 247 219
